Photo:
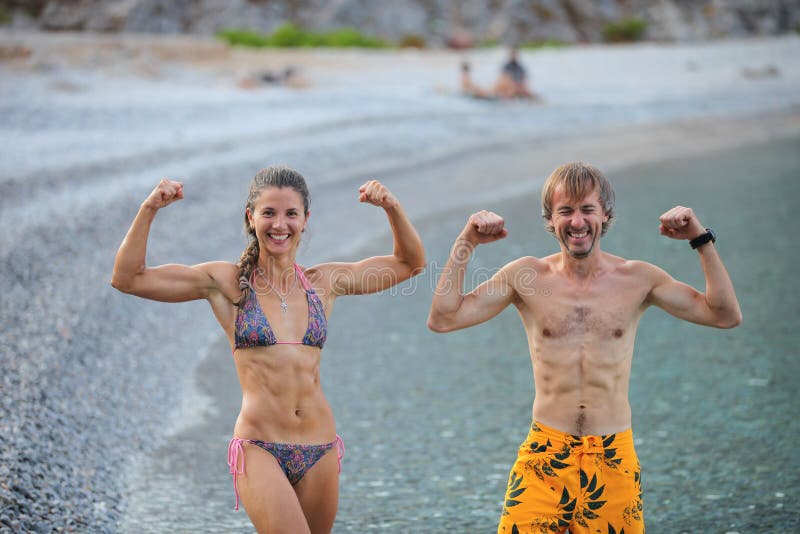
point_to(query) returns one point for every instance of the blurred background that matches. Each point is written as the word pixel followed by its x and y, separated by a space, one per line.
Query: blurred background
pixel 115 412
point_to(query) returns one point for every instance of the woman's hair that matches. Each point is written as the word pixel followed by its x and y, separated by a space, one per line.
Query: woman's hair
pixel 270 177
pixel 579 179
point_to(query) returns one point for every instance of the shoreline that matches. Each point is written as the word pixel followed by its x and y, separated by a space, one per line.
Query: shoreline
pixel 611 149
pixel 96 139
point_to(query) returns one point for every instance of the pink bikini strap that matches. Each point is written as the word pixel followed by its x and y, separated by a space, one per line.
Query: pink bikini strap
pixel 302 278
pixel 235 451
pixel 339 451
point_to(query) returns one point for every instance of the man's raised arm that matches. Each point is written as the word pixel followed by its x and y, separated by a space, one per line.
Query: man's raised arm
pixel 451 309
pixel 718 306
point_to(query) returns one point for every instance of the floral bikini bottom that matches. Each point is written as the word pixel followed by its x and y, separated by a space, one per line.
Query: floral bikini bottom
pixel 295 460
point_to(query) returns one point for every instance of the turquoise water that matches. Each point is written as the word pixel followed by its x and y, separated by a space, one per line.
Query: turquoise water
pixel 432 422
pixel 715 410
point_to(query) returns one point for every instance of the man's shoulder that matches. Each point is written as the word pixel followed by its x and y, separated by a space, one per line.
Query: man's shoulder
pixel 522 272
pixel 636 268
pixel 529 262
pixel 632 265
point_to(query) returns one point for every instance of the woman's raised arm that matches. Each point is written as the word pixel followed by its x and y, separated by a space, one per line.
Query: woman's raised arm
pixel 379 272
pixel 166 283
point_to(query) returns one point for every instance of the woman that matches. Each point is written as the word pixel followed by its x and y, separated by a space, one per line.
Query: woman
pixel 274 313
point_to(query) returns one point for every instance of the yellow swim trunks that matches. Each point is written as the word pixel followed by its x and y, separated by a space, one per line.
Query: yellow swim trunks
pixel 587 484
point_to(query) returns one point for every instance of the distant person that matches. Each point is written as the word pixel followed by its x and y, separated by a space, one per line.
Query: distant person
pixel 275 315
pixel 580 307
pixel 511 84
pixel 513 81
pixel 468 87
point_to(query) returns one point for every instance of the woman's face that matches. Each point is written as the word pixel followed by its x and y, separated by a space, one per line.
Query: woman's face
pixel 278 218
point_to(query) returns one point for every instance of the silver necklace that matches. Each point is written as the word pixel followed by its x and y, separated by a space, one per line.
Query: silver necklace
pixel 284 305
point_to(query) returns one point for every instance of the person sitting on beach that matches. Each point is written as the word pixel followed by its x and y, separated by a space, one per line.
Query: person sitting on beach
pixel 275 315
pixel 580 308
pixel 513 81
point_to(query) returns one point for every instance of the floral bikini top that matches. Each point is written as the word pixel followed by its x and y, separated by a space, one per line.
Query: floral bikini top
pixel 253 329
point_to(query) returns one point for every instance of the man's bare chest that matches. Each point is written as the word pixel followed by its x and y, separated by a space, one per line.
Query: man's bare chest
pixel 600 311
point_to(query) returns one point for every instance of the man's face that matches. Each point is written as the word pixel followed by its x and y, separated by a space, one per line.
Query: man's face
pixel 577 222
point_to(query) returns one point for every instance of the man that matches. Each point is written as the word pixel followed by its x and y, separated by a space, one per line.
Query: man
pixel 580 308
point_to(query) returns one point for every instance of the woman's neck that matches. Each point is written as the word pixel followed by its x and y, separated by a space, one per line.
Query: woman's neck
pixel 278 269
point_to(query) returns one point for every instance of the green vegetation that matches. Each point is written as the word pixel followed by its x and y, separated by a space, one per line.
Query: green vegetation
pixel 488 43
pixel 547 43
pixel 5 17
pixel 290 36
pixel 624 31
pixel 529 45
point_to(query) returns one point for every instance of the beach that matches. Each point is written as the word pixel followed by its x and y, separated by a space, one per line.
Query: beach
pixel 116 412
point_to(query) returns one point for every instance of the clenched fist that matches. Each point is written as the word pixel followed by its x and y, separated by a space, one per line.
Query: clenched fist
pixel 484 227
pixel 377 194
pixel 165 193
pixel 680 223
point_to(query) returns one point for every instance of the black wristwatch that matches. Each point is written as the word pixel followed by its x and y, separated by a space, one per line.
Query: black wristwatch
pixel 702 239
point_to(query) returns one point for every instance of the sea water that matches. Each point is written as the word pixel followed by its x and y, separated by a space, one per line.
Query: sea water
pixel 432 421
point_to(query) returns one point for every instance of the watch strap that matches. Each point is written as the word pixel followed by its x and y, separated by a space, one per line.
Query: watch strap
pixel 702 239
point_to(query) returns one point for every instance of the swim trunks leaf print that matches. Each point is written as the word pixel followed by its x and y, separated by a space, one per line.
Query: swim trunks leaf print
pixel 579 484
pixel 590 502
pixel 513 492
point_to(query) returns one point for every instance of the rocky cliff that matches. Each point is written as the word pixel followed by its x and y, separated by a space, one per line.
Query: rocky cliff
pixel 435 22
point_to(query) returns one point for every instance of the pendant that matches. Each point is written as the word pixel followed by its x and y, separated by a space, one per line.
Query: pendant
pixel 284 306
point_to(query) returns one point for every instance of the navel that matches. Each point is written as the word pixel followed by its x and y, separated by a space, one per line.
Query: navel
pixel 546 333
pixel 618 333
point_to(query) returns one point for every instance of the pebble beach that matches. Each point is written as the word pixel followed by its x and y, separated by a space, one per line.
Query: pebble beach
pixel 115 412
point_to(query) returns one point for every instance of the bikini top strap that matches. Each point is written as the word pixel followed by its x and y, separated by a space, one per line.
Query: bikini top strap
pixel 303 279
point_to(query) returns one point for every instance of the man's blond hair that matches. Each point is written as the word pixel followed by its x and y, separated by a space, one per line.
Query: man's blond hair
pixel 579 179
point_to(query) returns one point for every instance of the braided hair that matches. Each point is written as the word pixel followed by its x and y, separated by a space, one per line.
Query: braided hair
pixel 276 176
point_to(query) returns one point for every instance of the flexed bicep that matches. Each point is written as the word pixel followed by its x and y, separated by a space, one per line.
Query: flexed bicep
pixel 477 306
pixel 171 283
pixel 370 275
pixel 683 301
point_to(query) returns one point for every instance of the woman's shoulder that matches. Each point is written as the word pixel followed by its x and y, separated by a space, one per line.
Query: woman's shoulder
pixel 225 275
pixel 314 274
pixel 322 276
pixel 219 268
